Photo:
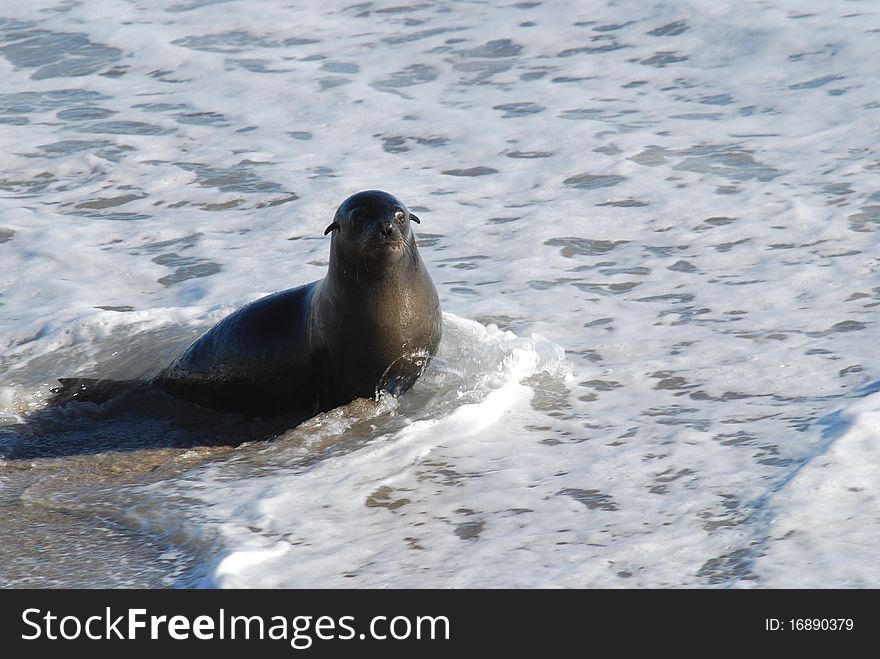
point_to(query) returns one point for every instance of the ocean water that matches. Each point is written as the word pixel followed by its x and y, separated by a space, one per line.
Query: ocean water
pixel 653 228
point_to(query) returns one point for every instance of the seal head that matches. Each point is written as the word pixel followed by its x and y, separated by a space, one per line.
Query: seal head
pixel 371 229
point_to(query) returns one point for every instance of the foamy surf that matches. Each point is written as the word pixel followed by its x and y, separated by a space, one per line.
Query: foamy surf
pixel 823 519
pixel 461 404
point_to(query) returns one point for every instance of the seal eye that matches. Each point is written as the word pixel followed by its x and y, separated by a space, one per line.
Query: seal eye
pixel 399 215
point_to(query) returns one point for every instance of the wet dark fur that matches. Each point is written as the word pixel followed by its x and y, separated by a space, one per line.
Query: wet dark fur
pixel 372 323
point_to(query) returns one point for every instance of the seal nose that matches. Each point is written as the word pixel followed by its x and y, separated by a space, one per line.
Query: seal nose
pixel 386 229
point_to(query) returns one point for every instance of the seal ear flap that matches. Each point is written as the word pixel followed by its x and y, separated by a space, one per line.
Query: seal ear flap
pixel 414 218
pixel 332 227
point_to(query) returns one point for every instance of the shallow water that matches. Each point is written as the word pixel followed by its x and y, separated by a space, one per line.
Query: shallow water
pixel 653 230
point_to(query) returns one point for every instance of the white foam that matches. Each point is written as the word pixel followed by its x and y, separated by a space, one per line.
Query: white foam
pixel 317 531
pixel 825 519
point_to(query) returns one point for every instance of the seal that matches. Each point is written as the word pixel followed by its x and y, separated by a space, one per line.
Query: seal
pixel 371 324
